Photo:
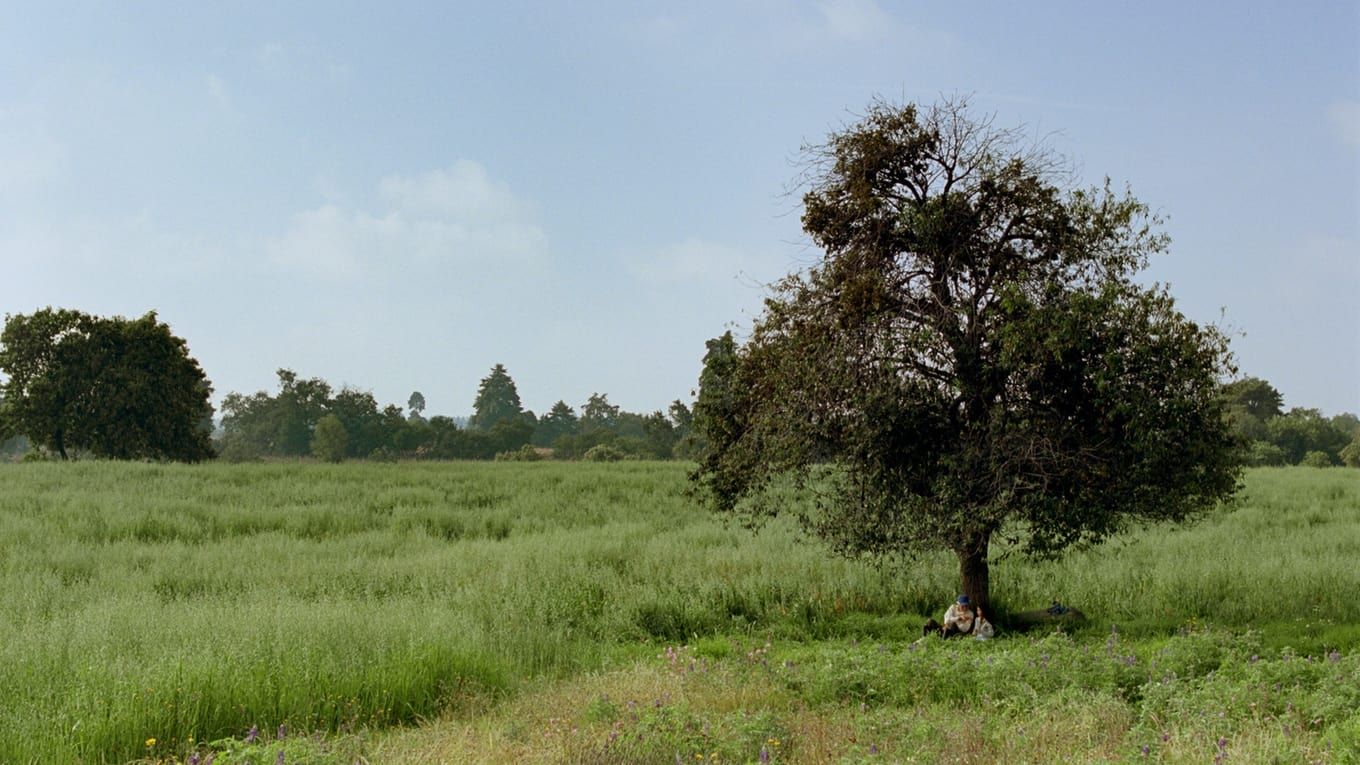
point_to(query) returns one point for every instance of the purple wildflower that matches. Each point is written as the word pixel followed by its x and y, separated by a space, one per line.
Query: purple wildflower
pixel 253 734
pixel 1222 743
pixel 1334 656
pixel 283 732
pixel 1146 750
pixel 873 749
pixel 764 756
pixel 279 760
pixel 193 759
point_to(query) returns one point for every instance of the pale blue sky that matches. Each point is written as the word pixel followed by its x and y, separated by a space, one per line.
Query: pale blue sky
pixel 399 195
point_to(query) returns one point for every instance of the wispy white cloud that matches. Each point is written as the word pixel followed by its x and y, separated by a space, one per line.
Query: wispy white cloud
pixel 1344 115
pixel 854 20
pixel 698 260
pixel 457 215
pixel 464 191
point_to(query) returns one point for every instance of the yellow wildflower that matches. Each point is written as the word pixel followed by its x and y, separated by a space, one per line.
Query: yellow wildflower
pixel 150 742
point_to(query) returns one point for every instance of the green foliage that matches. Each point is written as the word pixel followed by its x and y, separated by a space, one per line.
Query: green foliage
pixel 1350 456
pixel 716 409
pixel 1300 431
pixel 108 387
pixel 1254 397
pixel 280 425
pixel 1316 459
pixel 972 358
pixel 603 453
pixel 497 401
pixel 598 413
pixel 1284 438
pixel 1265 454
pixel 560 421
pixel 330 442
pixel 416 403
pixel 526 453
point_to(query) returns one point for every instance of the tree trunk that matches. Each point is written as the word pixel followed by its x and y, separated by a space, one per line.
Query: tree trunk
pixel 59 442
pixel 973 573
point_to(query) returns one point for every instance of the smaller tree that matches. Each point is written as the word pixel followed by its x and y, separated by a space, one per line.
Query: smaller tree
pixel 416 403
pixel 1254 396
pixel 1317 460
pixel 1350 456
pixel 560 421
pixel 1265 454
pixel 598 413
pixel 497 400
pixel 330 441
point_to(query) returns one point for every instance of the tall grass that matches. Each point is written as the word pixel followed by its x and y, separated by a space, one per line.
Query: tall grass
pixel 173 602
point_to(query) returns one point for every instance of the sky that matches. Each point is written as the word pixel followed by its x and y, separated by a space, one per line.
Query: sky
pixel 396 196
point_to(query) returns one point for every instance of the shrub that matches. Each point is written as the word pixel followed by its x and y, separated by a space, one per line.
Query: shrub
pixel 1264 453
pixel 526 453
pixel 603 453
pixel 1317 459
pixel 330 440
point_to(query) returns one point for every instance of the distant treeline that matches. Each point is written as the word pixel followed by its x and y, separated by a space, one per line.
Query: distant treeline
pixel 1297 437
pixel 88 386
pixel 308 417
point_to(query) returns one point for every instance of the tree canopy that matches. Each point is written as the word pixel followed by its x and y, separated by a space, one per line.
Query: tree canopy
pixel 970 359
pixel 108 387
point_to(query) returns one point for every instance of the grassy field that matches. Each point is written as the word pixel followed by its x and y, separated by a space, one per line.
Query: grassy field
pixel 551 612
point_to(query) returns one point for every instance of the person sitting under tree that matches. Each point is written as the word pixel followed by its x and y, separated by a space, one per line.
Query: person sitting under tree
pixel 962 618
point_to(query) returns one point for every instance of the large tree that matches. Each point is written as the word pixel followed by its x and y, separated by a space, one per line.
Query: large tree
pixel 109 387
pixel 970 359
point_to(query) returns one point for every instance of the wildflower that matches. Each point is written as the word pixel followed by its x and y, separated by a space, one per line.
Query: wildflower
pixel 253 734
pixel 764 756
pixel 1334 656
pixel 283 732
pixel 279 760
pixel 873 749
pixel 150 743
pixel 1146 750
pixel 193 759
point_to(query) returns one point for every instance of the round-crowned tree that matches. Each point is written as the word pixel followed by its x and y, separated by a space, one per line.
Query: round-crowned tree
pixel 114 388
pixel 970 359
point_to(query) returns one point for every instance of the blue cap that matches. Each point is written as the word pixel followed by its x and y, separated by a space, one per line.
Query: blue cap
pixel 963 600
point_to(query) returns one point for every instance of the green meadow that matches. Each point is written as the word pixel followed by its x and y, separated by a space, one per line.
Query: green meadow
pixel 574 612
